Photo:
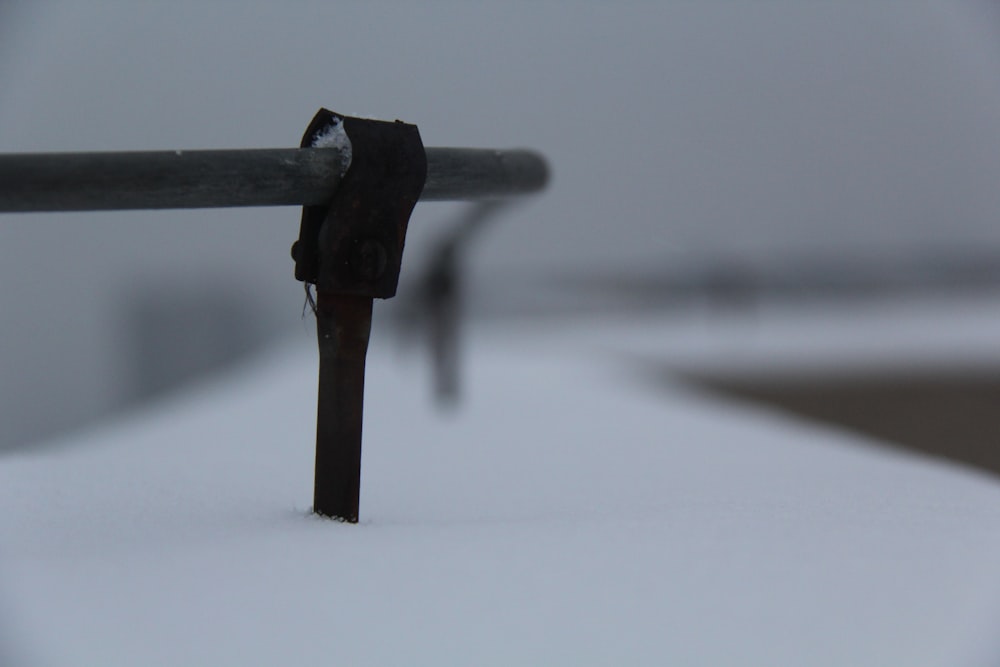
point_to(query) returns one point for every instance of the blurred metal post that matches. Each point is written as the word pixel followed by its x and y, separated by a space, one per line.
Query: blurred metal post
pixel 440 296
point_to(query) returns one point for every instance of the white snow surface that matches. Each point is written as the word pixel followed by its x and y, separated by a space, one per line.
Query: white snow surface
pixel 568 514
pixel 335 136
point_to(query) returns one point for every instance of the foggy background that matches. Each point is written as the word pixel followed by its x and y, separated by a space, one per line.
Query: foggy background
pixel 750 136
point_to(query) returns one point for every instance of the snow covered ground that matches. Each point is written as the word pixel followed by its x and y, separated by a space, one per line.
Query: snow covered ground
pixel 571 512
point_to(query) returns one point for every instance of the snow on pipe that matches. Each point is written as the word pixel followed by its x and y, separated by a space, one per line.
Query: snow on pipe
pixel 38 182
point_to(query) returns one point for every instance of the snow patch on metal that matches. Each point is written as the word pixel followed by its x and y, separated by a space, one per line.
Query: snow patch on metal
pixel 334 136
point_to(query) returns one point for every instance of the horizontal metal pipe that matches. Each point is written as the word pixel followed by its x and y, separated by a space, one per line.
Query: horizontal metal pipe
pixel 476 173
pixel 231 178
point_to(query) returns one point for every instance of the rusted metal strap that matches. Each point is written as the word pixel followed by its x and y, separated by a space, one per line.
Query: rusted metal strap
pixel 352 251
pixel 343 326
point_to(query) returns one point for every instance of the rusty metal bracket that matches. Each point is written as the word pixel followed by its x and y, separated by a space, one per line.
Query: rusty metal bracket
pixel 352 250
pixel 355 244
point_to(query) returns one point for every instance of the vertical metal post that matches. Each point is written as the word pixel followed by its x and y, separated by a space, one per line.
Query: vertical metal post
pixel 443 297
pixel 351 249
pixel 343 325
